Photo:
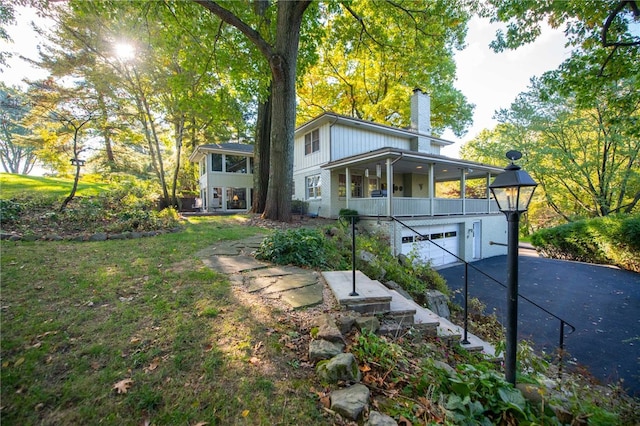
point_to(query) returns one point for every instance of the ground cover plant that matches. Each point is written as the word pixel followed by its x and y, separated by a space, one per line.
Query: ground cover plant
pixel 140 332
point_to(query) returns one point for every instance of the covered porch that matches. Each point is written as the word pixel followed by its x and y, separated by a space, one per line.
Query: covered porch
pixel 392 182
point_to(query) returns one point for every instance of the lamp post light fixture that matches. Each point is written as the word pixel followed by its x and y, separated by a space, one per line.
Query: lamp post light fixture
pixel 512 190
pixel 77 162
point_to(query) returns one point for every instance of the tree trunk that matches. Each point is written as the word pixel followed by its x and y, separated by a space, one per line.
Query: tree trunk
pixel 283 110
pixel 261 159
pixel 179 132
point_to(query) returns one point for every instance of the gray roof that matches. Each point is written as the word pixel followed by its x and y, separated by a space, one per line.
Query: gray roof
pixel 239 147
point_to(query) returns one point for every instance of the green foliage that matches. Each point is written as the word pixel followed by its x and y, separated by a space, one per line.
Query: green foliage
pixel 301 247
pixel 607 240
pixel 370 348
pixel 9 211
pixel 347 215
pixel 299 207
pixel 414 276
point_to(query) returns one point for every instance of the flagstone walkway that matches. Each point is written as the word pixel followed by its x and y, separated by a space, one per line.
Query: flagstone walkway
pixel 297 287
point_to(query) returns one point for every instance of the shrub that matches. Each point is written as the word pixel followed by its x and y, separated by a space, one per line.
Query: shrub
pixel 301 247
pixel 606 240
pixel 299 207
pixel 347 214
pixel 9 211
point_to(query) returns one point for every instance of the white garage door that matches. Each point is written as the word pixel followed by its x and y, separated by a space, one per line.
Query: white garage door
pixel 446 236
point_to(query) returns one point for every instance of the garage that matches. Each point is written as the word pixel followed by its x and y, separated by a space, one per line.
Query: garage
pixel 445 236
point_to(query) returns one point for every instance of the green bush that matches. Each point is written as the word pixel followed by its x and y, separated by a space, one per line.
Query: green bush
pixel 299 207
pixel 9 211
pixel 301 247
pixel 605 240
pixel 347 214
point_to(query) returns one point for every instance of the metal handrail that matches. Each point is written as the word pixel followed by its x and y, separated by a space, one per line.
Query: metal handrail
pixel 466 285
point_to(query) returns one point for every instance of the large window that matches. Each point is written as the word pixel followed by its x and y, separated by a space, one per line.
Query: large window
pixel 356 186
pixel 235 164
pixel 314 186
pixel 312 142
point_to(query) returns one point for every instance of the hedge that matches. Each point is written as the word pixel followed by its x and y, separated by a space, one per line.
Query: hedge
pixel 613 240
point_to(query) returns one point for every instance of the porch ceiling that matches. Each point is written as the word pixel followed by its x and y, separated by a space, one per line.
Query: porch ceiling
pixel 446 169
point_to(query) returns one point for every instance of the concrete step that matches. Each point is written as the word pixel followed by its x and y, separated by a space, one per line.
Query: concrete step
pixel 371 296
pixel 374 298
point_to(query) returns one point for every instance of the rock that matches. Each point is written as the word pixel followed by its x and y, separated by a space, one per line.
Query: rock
pixel 438 303
pixel 390 329
pixel 531 392
pixel 346 323
pixel 100 236
pixel 115 237
pixel 371 324
pixel 30 237
pixel 323 349
pixel 341 367
pixel 327 329
pixel 444 366
pixel 379 419
pixel 350 402
pixel 54 237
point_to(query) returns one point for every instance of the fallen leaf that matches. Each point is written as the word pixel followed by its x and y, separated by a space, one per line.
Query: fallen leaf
pixel 123 385
pixel 325 401
pixel 404 422
pixel 365 368
pixel 254 360
pixel 154 364
pixel 134 341
pixel 18 362
pixel 245 413
pixel 201 424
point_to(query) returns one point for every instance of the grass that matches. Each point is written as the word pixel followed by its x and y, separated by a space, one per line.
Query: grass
pixel 13 185
pixel 79 318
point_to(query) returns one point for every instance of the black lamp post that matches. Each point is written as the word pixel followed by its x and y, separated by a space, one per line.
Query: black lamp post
pixel 512 191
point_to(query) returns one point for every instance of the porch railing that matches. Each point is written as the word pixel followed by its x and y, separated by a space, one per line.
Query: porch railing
pixel 409 206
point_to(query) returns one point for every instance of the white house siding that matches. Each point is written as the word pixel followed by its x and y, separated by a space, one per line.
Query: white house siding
pixel 348 141
pixel 493 229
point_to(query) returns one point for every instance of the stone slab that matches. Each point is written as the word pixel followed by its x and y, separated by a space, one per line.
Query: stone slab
pixel 310 295
pixel 291 282
pixel 274 271
pixel 233 264
pixel 260 283
pixel 341 284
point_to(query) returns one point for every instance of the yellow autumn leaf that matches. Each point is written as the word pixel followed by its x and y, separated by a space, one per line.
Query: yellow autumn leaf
pixel 19 362
pixel 245 413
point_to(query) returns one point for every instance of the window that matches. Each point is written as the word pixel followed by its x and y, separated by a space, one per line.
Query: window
pixel 314 186
pixel 216 162
pixel 356 186
pixel 235 164
pixel 312 142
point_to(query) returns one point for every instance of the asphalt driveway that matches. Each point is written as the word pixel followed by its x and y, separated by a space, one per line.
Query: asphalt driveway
pixel 603 303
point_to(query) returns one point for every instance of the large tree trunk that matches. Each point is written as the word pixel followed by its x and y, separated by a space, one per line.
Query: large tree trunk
pixel 283 110
pixel 261 160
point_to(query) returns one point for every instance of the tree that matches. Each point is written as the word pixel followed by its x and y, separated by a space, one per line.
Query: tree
pixel 280 50
pixel 376 53
pixel 16 155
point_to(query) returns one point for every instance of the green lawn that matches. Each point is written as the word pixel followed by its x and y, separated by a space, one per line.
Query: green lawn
pixel 12 186
pixel 140 332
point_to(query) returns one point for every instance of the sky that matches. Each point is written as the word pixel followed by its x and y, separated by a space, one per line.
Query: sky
pixel 489 80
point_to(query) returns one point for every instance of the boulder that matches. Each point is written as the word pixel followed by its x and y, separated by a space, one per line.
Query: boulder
pixel 323 349
pixel 350 402
pixel 379 419
pixel 328 330
pixel 371 324
pixel 341 367
pixel 438 303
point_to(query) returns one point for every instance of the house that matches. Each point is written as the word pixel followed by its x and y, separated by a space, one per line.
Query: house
pixel 396 179
pixel 226 176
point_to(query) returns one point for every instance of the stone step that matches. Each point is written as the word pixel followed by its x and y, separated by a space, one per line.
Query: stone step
pixel 400 310
pixel 371 298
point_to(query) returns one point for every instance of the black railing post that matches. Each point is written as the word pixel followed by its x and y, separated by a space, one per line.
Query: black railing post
pixel 465 341
pixel 353 255
pixel 561 349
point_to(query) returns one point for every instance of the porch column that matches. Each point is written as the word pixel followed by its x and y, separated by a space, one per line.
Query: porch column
pixel 348 184
pixel 463 189
pixel 389 187
pixel 488 192
pixel 432 188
